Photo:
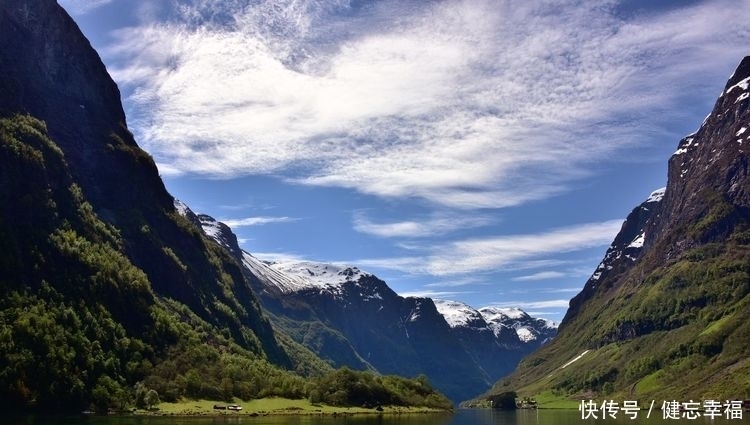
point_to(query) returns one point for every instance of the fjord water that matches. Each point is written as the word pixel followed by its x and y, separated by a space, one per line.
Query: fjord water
pixel 460 417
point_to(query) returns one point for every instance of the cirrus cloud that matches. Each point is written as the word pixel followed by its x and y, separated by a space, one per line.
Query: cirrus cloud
pixel 495 253
pixel 255 221
pixel 468 104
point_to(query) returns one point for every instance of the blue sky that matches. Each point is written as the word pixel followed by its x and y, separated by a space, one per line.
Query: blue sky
pixel 480 151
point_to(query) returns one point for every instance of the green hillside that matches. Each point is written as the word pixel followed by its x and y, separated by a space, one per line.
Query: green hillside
pixel 682 333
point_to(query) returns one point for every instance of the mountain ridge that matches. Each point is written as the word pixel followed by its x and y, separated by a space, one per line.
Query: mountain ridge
pixel 350 317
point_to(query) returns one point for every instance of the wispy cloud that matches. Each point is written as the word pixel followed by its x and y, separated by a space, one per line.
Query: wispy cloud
pixel 502 252
pixel 81 7
pixel 469 104
pixel 255 221
pixel 458 281
pixel 540 276
pixel 432 294
pixel 534 304
pixel 561 290
pixel 280 257
pixel 432 226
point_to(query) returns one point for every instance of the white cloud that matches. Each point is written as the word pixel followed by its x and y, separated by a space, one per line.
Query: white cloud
pixel 255 221
pixel 540 276
pixel 534 304
pixel 432 226
pixel 469 104
pixel 280 257
pixel 431 294
pixel 462 281
pixel 562 290
pixel 81 7
pixel 511 252
pixel 497 252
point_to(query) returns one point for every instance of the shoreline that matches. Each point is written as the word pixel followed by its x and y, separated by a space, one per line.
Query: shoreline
pixel 274 407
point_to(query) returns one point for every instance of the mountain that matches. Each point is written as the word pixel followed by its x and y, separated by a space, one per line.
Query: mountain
pixel 495 338
pixel 350 317
pixel 102 283
pixel 665 314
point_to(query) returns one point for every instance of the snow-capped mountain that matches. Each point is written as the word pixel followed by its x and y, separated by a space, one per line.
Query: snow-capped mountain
pixel 495 337
pixel 350 317
pixel 289 277
pixel 528 329
pixel 499 320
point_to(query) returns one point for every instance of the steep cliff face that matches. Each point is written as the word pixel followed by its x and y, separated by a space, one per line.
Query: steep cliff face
pixel 51 72
pixel 101 279
pixel 665 313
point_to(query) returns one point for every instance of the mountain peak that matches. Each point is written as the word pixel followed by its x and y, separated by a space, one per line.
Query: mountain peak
pixel 457 314
pixel 740 76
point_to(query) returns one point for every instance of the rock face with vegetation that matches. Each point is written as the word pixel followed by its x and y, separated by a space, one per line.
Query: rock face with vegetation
pixel 109 297
pixel 665 315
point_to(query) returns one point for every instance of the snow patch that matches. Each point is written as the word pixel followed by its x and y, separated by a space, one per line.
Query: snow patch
pixel 741 85
pixel 739 133
pixel 684 147
pixel 181 208
pixel 211 229
pixel 525 334
pixel 656 195
pixel 638 241
pixel 597 274
pixel 574 359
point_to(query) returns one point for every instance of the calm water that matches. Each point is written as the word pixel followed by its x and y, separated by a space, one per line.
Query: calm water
pixel 461 417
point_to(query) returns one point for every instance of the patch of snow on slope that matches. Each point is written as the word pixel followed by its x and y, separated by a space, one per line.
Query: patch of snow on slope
pixel 657 195
pixel 574 359
pixel 638 241
pixel 211 228
pixel 181 208
pixel 741 85
pixel 525 334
